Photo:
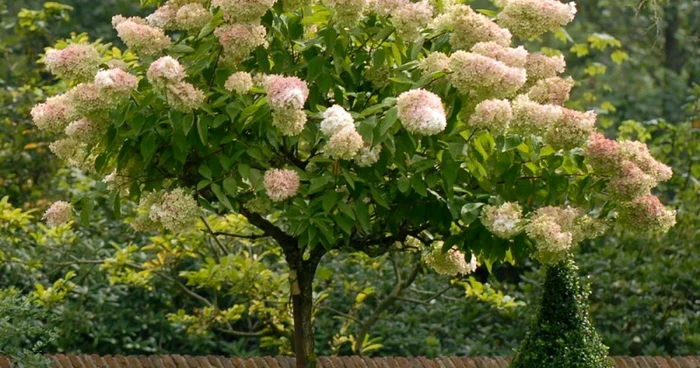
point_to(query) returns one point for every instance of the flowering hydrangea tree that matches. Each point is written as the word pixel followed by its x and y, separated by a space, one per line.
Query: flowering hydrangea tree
pixel 350 124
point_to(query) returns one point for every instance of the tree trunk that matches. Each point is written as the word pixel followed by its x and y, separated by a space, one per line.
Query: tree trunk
pixel 301 278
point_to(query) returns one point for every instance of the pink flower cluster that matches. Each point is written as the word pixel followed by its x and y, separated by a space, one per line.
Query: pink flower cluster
pixel 492 115
pixel 469 28
pixel 139 36
pixel 421 112
pixel 572 129
pixel 54 114
pixel 484 77
pixel 451 263
pixel 554 90
pixel 115 85
pixel 555 230
pixel 59 213
pixel 243 11
pixel 633 172
pixel 85 130
pixel 281 184
pixel 504 221
pixel 344 142
pixel 75 62
pixel 168 77
pixel 286 97
pixel 530 18
pixel 513 57
pixel 347 12
pixel 238 40
pixel 540 66
pixel 176 211
pixel 192 17
pixel 239 82
pixel 530 117
pixel 410 18
pixel 86 99
pixel 368 156
pixel 434 62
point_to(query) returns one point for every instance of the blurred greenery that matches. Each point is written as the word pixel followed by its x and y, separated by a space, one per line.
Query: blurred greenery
pixel 637 64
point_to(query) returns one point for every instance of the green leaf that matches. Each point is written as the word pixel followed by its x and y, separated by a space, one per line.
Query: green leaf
pixel 221 196
pixel 148 146
pixel 362 215
pixel 404 185
pixel 389 119
pixel 329 199
pixel 418 185
pixel 203 130
pixel 230 186
pixel 205 171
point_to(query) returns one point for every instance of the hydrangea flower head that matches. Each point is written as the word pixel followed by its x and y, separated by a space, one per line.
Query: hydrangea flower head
pixel 410 18
pixel 54 114
pixel 344 144
pixel 572 129
pixel 290 122
pixel 192 17
pixel 554 90
pixel 243 11
pixel 421 112
pixel 239 40
pixel 483 76
pixel 529 117
pixel 139 36
pixel 59 213
pixel 281 184
pixel 451 263
pixel 75 62
pixel 286 92
pixel 335 119
pixel 492 115
pixel 115 84
pixel 504 221
pixel 646 213
pixel 239 82
pixel 530 18
pixel 368 156
pixel 513 57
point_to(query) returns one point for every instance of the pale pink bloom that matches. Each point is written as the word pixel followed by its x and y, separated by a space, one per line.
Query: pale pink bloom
pixel 239 82
pixel 540 66
pixel 602 154
pixel 469 28
pixel 533 118
pixel 530 18
pixel 504 221
pixel 387 7
pixel 243 11
pixel 514 57
pixel 368 156
pixel 290 122
pixel 483 76
pixel 116 84
pixel 450 263
pixel 86 99
pixel 492 115
pixel 286 93
pixel 347 12
pixel 59 213
pixel 239 40
pixel 554 90
pixel 139 36
pixel 281 184
pixel 176 210
pixel 75 62
pixel 184 96
pixel 192 17
pixel 54 114
pixel 572 129
pixel 344 144
pixel 118 64
pixel 630 182
pixel 84 130
pixel 434 62
pixel 165 71
pixel 410 18
pixel 69 150
pixel 638 153
pixel 421 112
pixel 646 213
pixel 163 17
pixel 335 118
pixel 116 181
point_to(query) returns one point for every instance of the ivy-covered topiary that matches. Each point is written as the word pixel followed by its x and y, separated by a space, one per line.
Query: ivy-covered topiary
pixel 562 334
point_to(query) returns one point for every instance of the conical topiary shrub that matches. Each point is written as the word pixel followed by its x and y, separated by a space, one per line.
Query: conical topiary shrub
pixel 561 335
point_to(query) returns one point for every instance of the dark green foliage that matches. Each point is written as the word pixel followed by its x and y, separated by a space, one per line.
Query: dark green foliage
pixel 23 335
pixel 562 334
